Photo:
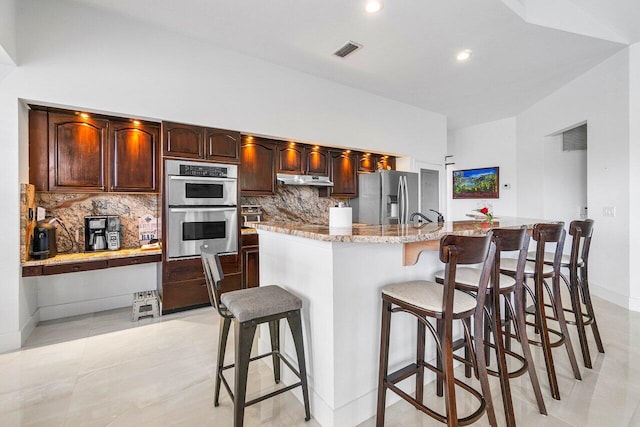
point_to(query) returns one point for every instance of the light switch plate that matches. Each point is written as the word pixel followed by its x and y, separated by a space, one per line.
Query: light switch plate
pixel 609 211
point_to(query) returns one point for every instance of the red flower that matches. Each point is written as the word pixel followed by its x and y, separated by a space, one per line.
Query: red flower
pixel 484 211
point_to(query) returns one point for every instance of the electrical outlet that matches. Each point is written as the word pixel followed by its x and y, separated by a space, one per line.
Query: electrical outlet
pixel 609 211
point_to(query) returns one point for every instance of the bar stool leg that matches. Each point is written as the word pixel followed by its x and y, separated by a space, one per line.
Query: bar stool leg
pixel 295 325
pixel 576 307
pixel 467 353
pixel 225 324
pixel 439 378
pixel 541 322
pixel 422 330
pixel 521 329
pixel 563 327
pixel 274 331
pixel 483 376
pixel 449 379
pixel 384 362
pixel 244 333
pixel 587 297
pixel 501 359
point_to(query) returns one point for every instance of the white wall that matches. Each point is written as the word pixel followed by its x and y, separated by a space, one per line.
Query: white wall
pixel 634 173
pixel 90 59
pixel 8 53
pixel 484 145
pixel 601 98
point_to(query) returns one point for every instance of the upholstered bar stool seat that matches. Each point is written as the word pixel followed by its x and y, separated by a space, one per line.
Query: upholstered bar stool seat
pixel 429 296
pixel 511 265
pixel 470 277
pixel 249 304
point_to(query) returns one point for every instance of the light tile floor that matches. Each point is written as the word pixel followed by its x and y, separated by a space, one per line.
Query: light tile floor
pixel 102 369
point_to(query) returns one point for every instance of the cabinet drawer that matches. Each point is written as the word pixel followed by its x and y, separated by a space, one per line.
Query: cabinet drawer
pixel 188 269
pixel 120 262
pixel 72 268
pixel 184 294
pixel 31 271
pixel 249 240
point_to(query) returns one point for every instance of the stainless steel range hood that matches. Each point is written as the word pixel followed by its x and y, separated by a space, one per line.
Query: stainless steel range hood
pixel 311 180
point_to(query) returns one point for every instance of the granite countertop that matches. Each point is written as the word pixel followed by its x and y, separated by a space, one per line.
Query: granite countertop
pixel 362 233
pixel 92 256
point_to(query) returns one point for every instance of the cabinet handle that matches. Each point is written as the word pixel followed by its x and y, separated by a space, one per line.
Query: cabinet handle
pixel 75 268
pixel 135 261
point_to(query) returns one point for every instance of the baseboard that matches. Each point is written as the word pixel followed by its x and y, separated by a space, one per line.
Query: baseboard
pixel 85 307
pixel 622 300
pixel 28 328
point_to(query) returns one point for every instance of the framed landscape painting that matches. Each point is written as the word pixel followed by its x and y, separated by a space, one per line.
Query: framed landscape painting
pixel 476 183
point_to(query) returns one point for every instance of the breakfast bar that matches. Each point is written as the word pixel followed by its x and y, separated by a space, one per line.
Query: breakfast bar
pixel 339 275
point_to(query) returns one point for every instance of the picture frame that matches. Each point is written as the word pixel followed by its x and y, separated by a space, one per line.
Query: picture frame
pixel 480 183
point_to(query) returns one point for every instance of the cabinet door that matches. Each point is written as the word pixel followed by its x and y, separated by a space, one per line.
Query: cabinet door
pixel 182 140
pixel 387 162
pixel 134 157
pixel 257 167
pixel 367 162
pixel 77 153
pixel 344 174
pixel 291 158
pixel 222 145
pixel 251 267
pixel 317 161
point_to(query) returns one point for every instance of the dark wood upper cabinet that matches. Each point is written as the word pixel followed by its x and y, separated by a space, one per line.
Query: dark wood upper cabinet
pixel 257 166
pixel 222 145
pixel 367 162
pixel 344 167
pixel 39 149
pixel 77 153
pixel 317 161
pixel 134 157
pixel 182 140
pixel 291 158
pixel 387 162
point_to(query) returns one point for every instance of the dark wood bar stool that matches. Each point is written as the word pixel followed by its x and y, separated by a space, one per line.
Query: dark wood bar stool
pixel 248 308
pixel 424 299
pixel 578 284
pixel 539 272
pixel 467 279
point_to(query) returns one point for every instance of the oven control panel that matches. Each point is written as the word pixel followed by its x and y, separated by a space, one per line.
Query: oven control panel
pixel 203 170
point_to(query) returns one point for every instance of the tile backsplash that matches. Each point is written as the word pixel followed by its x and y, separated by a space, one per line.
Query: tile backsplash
pixel 71 208
pixel 294 203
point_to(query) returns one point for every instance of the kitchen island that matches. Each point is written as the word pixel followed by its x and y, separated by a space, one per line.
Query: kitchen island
pixel 339 275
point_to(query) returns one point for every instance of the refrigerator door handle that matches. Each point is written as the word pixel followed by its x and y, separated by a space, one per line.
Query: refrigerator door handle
pixel 406 200
pixel 402 201
pixel 399 200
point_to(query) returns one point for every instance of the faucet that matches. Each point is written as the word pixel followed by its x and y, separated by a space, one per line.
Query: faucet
pixel 415 214
pixel 440 216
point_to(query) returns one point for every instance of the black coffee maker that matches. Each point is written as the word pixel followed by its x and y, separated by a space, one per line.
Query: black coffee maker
pixel 43 245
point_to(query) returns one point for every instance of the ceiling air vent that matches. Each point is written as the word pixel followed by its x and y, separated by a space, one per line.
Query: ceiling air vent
pixel 347 49
pixel 575 139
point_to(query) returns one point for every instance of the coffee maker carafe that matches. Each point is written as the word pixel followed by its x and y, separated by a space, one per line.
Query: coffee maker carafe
pixel 102 232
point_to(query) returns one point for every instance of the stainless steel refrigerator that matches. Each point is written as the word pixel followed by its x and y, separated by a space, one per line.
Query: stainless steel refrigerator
pixel 386 197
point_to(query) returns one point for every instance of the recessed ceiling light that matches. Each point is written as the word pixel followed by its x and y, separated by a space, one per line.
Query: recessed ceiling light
pixel 373 6
pixel 464 55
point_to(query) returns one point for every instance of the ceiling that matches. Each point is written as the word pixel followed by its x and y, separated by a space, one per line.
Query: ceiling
pixel 410 46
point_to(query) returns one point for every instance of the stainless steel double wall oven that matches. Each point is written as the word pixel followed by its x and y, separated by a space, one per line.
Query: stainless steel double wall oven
pixel 202 201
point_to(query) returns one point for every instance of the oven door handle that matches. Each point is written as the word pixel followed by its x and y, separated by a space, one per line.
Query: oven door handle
pixel 200 178
pixel 198 209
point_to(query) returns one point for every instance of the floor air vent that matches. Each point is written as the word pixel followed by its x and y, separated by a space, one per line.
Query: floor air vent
pixel 347 49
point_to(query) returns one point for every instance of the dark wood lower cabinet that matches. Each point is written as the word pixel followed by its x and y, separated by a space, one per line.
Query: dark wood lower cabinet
pixel 183 284
pixel 250 261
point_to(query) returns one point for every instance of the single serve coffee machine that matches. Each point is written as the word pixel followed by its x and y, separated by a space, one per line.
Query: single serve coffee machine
pixel 102 232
